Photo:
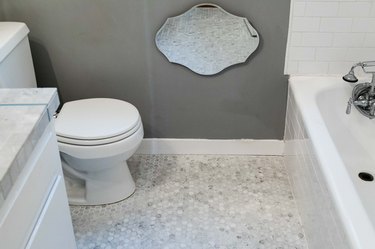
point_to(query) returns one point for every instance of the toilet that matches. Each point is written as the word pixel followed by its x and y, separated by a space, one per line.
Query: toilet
pixel 95 136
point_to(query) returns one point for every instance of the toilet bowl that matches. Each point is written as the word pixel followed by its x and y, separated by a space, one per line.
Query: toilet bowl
pixel 95 138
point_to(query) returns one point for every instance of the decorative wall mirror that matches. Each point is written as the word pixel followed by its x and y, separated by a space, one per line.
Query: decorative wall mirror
pixel 207 39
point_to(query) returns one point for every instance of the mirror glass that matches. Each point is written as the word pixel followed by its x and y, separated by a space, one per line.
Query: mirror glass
pixel 207 39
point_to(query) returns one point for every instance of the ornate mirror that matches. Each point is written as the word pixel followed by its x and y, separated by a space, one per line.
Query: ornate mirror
pixel 207 39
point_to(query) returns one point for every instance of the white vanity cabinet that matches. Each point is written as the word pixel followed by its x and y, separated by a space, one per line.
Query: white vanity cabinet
pixel 35 214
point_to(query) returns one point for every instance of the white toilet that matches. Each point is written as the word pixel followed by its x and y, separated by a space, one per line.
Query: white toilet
pixel 95 136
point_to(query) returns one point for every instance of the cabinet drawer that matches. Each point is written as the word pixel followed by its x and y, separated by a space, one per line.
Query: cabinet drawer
pixel 21 209
pixel 54 228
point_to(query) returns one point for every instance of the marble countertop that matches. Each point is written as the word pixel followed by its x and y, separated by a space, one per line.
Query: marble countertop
pixel 31 96
pixel 24 115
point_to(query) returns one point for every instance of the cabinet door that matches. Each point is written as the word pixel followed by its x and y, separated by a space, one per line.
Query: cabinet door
pixel 54 227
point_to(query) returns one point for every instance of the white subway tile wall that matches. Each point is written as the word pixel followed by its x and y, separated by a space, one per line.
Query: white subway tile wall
pixel 321 223
pixel 327 37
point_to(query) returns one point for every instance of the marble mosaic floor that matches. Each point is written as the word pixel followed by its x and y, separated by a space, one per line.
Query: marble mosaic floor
pixel 197 201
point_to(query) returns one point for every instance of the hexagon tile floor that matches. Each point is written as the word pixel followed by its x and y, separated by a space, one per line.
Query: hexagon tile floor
pixel 197 201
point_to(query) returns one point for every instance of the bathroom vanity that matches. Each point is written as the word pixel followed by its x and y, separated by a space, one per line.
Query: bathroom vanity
pixel 34 211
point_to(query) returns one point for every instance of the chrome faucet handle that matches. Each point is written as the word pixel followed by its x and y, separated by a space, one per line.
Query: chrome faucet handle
pixel 362 103
pixel 349 106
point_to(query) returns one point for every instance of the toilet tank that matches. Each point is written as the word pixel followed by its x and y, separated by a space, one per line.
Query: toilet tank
pixel 16 65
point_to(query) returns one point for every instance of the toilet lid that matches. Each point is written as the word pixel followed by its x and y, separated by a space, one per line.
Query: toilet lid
pixel 97 118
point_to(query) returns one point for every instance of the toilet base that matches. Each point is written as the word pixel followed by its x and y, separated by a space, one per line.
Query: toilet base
pixel 99 187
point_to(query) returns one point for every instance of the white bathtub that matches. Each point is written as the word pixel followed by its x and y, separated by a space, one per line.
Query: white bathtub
pixel 325 151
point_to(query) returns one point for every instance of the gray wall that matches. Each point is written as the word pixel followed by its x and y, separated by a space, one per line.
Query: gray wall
pixel 92 48
pixel 1 14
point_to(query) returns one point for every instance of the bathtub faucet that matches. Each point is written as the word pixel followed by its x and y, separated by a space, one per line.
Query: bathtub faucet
pixel 363 95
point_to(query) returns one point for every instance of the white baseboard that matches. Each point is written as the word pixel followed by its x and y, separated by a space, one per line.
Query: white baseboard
pixel 211 146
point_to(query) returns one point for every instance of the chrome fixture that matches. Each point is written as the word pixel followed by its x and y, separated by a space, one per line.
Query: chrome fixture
pixel 350 77
pixel 363 94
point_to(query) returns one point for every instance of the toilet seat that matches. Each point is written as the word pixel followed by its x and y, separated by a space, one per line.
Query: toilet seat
pixel 93 142
pixel 122 146
pixel 96 121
